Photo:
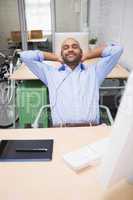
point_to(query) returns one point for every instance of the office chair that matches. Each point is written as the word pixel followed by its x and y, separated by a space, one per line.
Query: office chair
pixel 105 115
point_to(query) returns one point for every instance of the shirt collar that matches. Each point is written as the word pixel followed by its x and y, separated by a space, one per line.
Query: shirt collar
pixel 63 67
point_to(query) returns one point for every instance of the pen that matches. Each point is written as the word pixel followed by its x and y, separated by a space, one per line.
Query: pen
pixel 35 150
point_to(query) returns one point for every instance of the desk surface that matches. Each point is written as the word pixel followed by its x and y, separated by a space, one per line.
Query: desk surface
pixel 38 40
pixel 54 179
pixel 23 73
pixel 29 40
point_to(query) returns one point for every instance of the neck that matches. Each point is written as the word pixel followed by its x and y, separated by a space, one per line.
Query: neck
pixel 72 65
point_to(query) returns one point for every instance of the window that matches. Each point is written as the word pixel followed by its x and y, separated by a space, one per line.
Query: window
pixel 38 15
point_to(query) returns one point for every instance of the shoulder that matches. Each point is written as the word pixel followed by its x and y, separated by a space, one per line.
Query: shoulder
pixel 90 66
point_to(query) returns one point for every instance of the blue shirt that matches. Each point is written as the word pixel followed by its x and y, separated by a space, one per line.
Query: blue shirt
pixel 73 94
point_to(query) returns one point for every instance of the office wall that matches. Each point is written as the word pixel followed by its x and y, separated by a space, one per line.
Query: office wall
pixel 8 20
pixel 94 18
pixel 112 21
pixel 67 16
pixel 127 33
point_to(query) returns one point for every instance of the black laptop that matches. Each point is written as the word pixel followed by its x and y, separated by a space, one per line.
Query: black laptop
pixel 26 150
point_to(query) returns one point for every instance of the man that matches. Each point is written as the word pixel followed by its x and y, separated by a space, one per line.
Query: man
pixel 73 86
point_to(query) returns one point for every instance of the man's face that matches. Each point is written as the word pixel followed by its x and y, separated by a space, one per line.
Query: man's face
pixel 71 52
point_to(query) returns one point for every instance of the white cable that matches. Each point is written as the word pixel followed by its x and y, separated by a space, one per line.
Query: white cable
pixel 35 123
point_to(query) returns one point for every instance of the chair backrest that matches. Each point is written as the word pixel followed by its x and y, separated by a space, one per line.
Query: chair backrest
pixel 16 36
pixel 36 34
pixel 82 38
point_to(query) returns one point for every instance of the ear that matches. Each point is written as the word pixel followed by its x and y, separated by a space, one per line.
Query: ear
pixel 61 53
pixel 81 51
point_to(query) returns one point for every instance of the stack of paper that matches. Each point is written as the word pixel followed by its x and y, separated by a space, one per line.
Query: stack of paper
pixel 87 155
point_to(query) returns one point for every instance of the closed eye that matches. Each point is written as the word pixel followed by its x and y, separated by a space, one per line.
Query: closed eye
pixel 75 46
pixel 65 47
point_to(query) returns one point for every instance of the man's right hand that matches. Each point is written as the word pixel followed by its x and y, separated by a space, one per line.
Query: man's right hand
pixel 52 57
pixel 95 53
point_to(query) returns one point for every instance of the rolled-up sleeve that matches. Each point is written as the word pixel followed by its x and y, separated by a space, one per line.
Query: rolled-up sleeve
pixel 110 57
pixel 33 60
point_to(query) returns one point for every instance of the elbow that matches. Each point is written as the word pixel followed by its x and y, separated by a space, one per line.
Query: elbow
pixel 120 50
pixel 117 50
pixel 24 56
pixel 112 50
pixel 31 55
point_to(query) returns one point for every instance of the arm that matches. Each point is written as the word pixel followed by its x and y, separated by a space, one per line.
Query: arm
pixel 95 53
pixel 110 57
pixel 51 56
pixel 33 60
pixel 41 55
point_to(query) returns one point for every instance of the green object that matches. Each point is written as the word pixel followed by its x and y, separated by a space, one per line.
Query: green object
pixel 31 96
pixel 93 40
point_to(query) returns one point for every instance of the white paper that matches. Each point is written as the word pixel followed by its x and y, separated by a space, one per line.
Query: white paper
pixel 87 155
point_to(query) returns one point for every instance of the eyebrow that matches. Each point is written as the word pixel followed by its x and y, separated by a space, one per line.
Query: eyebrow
pixel 67 45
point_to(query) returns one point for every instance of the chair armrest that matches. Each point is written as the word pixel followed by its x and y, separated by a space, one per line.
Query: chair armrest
pixel 108 113
pixel 35 124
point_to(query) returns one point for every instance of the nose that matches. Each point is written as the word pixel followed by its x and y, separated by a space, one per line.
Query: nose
pixel 70 48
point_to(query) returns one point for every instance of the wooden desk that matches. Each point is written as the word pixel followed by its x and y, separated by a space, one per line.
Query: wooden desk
pixel 54 179
pixel 35 43
pixel 23 73
pixel 30 40
pixel 38 40
pixel 118 72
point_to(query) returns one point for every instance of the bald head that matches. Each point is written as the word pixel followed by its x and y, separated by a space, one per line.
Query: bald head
pixel 70 39
pixel 71 52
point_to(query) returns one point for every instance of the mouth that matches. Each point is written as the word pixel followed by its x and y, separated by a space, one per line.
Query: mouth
pixel 71 55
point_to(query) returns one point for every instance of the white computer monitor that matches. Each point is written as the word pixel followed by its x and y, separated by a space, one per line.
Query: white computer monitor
pixel 118 161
